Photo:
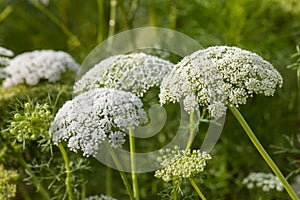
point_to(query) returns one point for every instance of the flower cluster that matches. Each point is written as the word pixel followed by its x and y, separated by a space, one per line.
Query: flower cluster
pixel 180 164
pixel 136 72
pixel 217 76
pixel 101 197
pixel 31 122
pixel 5 55
pixel 40 64
pixel 97 115
pixel 266 181
pixel 7 187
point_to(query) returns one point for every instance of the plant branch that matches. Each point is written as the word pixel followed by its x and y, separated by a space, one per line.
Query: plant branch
pixel 40 188
pixel 57 22
pixel 133 162
pixel 197 189
pixel 68 171
pixel 263 152
pixel 122 174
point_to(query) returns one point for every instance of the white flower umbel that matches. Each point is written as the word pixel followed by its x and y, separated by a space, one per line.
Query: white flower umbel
pixel 101 197
pixel 5 55
pixel 265 181
pixel 30 67
pixel 6 52
pixel 97 115
pixel 181 164
pixel 135 72
pixel 218 75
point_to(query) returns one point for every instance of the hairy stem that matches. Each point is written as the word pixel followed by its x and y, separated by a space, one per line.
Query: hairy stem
pixel 197 189
pixel 68 171
pixel 262 151
pixel 133 162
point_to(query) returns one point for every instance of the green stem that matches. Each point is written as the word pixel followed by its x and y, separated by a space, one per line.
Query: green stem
pixel 173 15
pixel 191 134
pixel 83 191
pixel 131 13
pixel 174 191
pixel 56 21
pixel 108 178
pixel 35 181
pixel 68 171
pixel 5 13
pixel 112 17
pixel 122 174
pixel 101 21
pixel 153 15
pixel 262 151
pixel 197 189
pixel 132 162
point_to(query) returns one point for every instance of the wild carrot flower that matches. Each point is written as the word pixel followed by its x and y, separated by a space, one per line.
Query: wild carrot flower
pixel 31 67
pixel 6 52
pixel 7 186
pixel 265 181
pixel 30 122
pixel 217 76
pixel 101 197
pixel 97 115
pixel 181 164
pixel 5 55
pixel 135 72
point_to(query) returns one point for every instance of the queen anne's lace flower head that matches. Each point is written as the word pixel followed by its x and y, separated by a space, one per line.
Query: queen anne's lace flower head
pixel 135 72
pixel 6 52
pixel 218 75
pixel 5 55
pixel 97 115
pixel 265 181
pixel 101 197
pixel 181 164
pixel 8 181
pixel 40 64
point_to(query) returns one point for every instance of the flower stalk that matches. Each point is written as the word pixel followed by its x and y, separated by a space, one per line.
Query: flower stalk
pixel 133 162
pixel 262 151
pixel 190 140
pixel 68 171
pixel 122 174
pixel 193 183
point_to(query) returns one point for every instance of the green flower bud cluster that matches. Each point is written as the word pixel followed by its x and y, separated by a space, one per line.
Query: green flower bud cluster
pixel 7 186
pixel 31 122
pixel 181 164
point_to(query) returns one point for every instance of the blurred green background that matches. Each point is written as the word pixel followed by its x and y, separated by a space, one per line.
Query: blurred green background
pixel 270 28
